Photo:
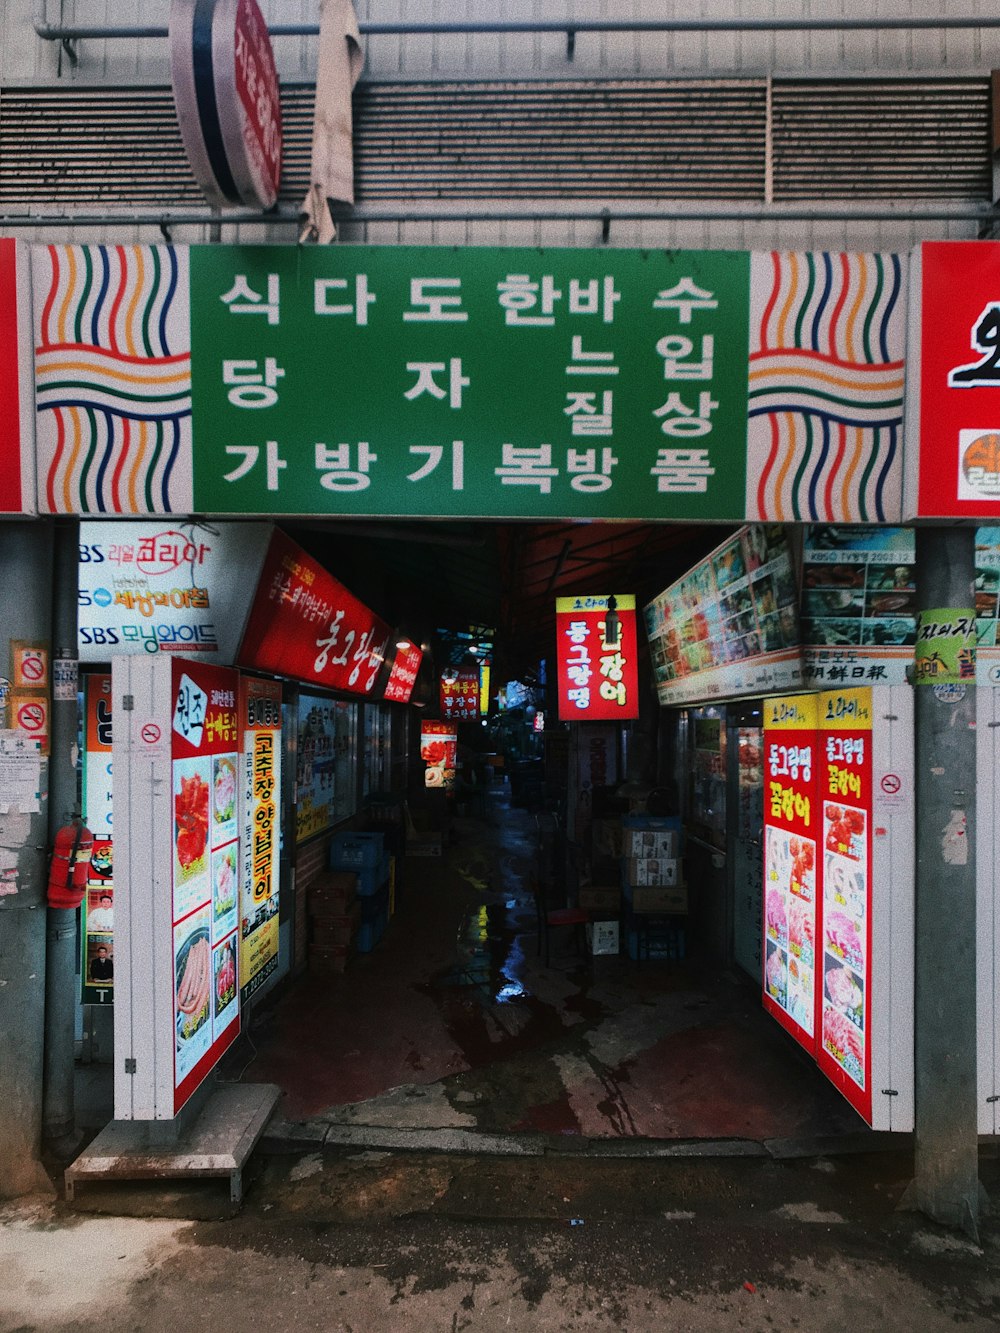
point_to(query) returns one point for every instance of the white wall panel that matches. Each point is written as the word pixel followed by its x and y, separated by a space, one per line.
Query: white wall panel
pixel 24 57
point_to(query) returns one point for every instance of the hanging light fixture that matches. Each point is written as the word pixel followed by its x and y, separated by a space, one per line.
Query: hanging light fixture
pixel 612 625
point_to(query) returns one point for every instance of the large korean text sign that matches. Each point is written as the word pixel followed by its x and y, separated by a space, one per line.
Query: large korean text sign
pixel 687 385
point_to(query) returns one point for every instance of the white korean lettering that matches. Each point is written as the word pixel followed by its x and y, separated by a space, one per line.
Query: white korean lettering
pixel 323 288
pixel 685 298
pixel 338 474
pixel 243 300
pixel 426 383
pixel 527 467
pixel 676 418
pixel 583 411
pixel 250 453
pixel 438 307
pixel 590 363
pixel 254 388
pixel 590 475
pixel 681 470
pixel 675 348
pixel 434 454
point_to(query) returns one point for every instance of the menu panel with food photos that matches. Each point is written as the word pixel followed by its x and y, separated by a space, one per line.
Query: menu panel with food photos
pixel 730 626
pixel 858 605
pixel 844 1054
pixel 791 875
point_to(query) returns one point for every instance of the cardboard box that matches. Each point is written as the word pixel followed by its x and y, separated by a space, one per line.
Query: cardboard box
pixel 654 872
pixel 594 898
pixel 602 937
pixel 332 893
pixel 325 931
pixel 330 960
pixel 652 842
pixel 606 837
pixel 666 900
pixel 423 844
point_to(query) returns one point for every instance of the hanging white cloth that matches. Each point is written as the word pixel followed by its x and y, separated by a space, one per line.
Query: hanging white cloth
pixel 341 59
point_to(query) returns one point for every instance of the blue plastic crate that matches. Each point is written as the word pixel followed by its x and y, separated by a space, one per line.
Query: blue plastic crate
pixel 375 904
pixel 370 932
pixel 355 851
pixel 372 878
pixel 662 944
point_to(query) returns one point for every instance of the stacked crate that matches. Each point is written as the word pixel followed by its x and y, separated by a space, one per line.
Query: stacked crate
pixel 654 886
pixel 366 856
pixel 334 917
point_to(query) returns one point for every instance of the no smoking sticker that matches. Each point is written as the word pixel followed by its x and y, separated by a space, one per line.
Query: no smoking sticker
pixel 150 733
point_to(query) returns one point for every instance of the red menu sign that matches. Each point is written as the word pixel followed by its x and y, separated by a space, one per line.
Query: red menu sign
pixel 405 669
pixel 598 681
pixel 460 696
pixel 205 765
pixel 953 382
pixel 791 828
pixel 16 406
pixel 305 624
pixel 844 1048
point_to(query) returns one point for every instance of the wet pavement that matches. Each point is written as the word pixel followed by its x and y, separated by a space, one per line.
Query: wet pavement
pixel 454 1024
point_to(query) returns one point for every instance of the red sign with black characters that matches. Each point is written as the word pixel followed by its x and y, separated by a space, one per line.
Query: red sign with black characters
pixel 953 382
pixel 791 829
pixel 598 678
pixel 306 625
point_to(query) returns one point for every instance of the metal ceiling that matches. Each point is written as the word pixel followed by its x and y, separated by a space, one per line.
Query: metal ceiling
pixel 424 577
pixel 685 139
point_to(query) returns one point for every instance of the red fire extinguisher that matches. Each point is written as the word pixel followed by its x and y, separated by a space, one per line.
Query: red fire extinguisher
pixel 70 864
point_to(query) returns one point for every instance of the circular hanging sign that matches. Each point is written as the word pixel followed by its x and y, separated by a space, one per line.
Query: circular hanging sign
pixel 228 103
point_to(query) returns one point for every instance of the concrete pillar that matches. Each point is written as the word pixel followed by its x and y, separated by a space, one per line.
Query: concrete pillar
pixel 946 1184
pixel 25 613
pixel 62 985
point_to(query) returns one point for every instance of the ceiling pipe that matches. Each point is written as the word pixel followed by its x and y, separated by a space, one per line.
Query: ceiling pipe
pixel 59 32
pixel 663 212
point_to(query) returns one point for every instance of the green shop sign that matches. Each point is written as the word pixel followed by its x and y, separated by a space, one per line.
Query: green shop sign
pixel 571 383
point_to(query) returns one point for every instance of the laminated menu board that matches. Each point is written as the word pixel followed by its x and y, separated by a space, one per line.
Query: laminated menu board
pixel 791 832
pixel 838 884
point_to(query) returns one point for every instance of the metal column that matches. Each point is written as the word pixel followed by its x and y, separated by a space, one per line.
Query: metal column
pixel 25 602
pixel 946 1184
pixel 61 988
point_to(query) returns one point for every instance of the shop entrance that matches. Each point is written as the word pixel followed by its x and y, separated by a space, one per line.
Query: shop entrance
pixel 492 1003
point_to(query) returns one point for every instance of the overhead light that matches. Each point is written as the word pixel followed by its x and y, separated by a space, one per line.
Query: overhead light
pixel 403 645
pixel 612 625
pixel 449 675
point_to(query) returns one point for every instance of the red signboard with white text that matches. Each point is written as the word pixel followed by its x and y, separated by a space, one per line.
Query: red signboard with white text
pixel 17 406
pixel 598 680
pixel 404 672
pixel 845 774
pixel 791 831
pixel 952 440
pixel 306 625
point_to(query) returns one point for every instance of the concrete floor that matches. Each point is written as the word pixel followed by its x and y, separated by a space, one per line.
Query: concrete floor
pixel 454 1024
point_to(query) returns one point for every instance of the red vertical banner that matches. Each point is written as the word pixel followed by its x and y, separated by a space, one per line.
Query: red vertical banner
pixel 844 1047
pixel 791 858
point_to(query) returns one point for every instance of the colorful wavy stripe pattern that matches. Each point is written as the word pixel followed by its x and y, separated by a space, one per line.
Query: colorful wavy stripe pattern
pixel 827 336
pixel 113 379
